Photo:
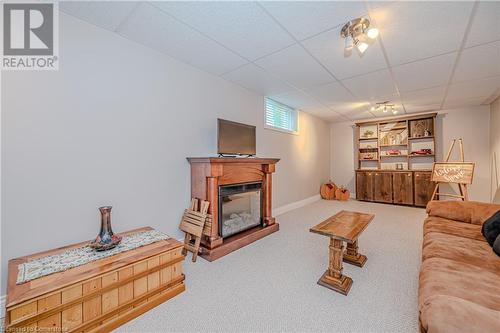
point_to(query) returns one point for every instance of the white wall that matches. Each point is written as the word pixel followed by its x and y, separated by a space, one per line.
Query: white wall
pixel 495 150
pixel 471 124
pixel 114 127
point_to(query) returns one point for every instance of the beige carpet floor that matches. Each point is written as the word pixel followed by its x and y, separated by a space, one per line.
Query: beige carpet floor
pixel 270 285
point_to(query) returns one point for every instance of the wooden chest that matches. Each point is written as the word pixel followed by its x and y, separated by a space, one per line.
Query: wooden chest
pixel 98 296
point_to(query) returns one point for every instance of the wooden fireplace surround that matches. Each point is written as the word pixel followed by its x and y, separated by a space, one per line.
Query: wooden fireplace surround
pixel 208 173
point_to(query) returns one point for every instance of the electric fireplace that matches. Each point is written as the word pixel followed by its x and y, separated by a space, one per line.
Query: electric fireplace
pixel 239 191
pixel 240 208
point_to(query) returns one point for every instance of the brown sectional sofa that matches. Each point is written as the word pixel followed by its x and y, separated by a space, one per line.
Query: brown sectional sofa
pixel 459 289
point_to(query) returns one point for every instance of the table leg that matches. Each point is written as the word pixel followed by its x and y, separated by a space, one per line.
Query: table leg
pixel 352 256
pixel 333 277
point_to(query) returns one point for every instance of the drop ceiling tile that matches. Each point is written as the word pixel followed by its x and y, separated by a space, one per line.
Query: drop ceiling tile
pixel 328 48
pixel 330 93
pixel 241 26
pixel 371 86
pixel 323 113
pixel 486 24
pixel 297 100
pixel 105 14
pixel 426 73
pixel 256 79
pixel 463 102
pixel 295 66
pixel 433 95
pixel 361 115
pixel 414 108
pixel 475 89
pixel 306 18
pixel 151 27
pixel 348 107
pixel 417 30
pixel 478 62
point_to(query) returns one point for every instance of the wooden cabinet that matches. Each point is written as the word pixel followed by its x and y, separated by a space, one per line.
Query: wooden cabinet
pixel 423 188
pixel 398 187
pixel 98 296
pixel 403 188
pixel 382 189
pixel 364 186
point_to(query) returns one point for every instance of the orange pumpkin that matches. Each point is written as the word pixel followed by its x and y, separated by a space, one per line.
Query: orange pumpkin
pixel 327 191
pixel 342 194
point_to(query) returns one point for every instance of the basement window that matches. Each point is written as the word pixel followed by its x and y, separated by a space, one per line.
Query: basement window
pixel 281 117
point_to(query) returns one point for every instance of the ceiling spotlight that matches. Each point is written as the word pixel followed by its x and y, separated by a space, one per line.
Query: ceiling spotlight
pixel 349 43
pixel 384 107
pixel 372 33
pixel 358 33
pixel 361 46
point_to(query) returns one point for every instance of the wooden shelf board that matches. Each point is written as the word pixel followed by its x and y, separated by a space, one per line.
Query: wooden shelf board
pixel 421 137
pixel 367 159
pixel 393 155
pixel 401 144
pixel 416 155
pixel 376 138
pixel 393 129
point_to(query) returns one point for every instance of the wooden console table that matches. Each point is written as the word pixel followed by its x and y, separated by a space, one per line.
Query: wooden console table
pixel 346 227
pixel 98 296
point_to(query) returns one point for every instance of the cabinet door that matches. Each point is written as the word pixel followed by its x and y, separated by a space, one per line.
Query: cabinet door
pixel 382 187
pixel 402 184
pixel 423 188
pixel 364 186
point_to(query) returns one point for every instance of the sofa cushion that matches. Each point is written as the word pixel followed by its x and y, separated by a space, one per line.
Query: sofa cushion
pixel 448 314
pixel 460 249
pixel 445 226
pixel 491 228
pixel 496 246
pixel 465 211
pixel 440 276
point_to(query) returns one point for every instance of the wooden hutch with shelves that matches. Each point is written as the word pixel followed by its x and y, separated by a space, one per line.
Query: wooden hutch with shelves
pixel 395 157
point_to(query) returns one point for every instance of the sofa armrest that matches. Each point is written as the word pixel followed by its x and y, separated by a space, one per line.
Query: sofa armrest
pixel 464 211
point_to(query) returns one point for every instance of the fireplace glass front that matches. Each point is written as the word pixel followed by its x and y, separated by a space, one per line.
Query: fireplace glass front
pixel 239 208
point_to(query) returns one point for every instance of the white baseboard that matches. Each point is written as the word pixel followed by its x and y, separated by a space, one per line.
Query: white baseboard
pixel 294 205
pixel 3 298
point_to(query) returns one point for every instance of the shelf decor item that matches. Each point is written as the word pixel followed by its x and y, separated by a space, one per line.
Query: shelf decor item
pixel 327 190
pixel 106 239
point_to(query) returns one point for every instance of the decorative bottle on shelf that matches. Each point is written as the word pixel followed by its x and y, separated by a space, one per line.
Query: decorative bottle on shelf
pixel 398 139
pixel 106 239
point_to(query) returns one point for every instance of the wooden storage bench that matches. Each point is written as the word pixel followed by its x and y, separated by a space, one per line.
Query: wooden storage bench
pixel 98 296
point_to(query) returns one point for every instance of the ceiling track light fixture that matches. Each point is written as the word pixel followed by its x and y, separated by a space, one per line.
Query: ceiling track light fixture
pixel 358 33
pixel 384 106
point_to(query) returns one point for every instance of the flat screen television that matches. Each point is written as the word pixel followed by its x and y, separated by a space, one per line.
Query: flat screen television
pixel 235 138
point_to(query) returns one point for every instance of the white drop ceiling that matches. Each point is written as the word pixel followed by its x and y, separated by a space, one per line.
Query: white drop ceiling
pixel 428 56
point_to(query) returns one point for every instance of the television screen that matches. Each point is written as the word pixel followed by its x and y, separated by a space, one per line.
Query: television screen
pixel 235 138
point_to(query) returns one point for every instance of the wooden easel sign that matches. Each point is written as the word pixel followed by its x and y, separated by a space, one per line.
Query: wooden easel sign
pixel 453 172
pixel 460 173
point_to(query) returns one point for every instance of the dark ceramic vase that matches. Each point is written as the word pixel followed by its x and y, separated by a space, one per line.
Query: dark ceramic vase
pixel 106 239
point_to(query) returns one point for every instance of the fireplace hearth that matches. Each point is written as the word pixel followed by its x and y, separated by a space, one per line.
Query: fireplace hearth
pixel 240 194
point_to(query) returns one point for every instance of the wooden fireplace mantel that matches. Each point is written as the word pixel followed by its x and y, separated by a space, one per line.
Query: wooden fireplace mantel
pixel 208 173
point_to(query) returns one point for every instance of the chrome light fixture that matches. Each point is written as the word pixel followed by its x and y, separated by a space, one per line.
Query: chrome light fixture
pixel 385 107
pixel 358 32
